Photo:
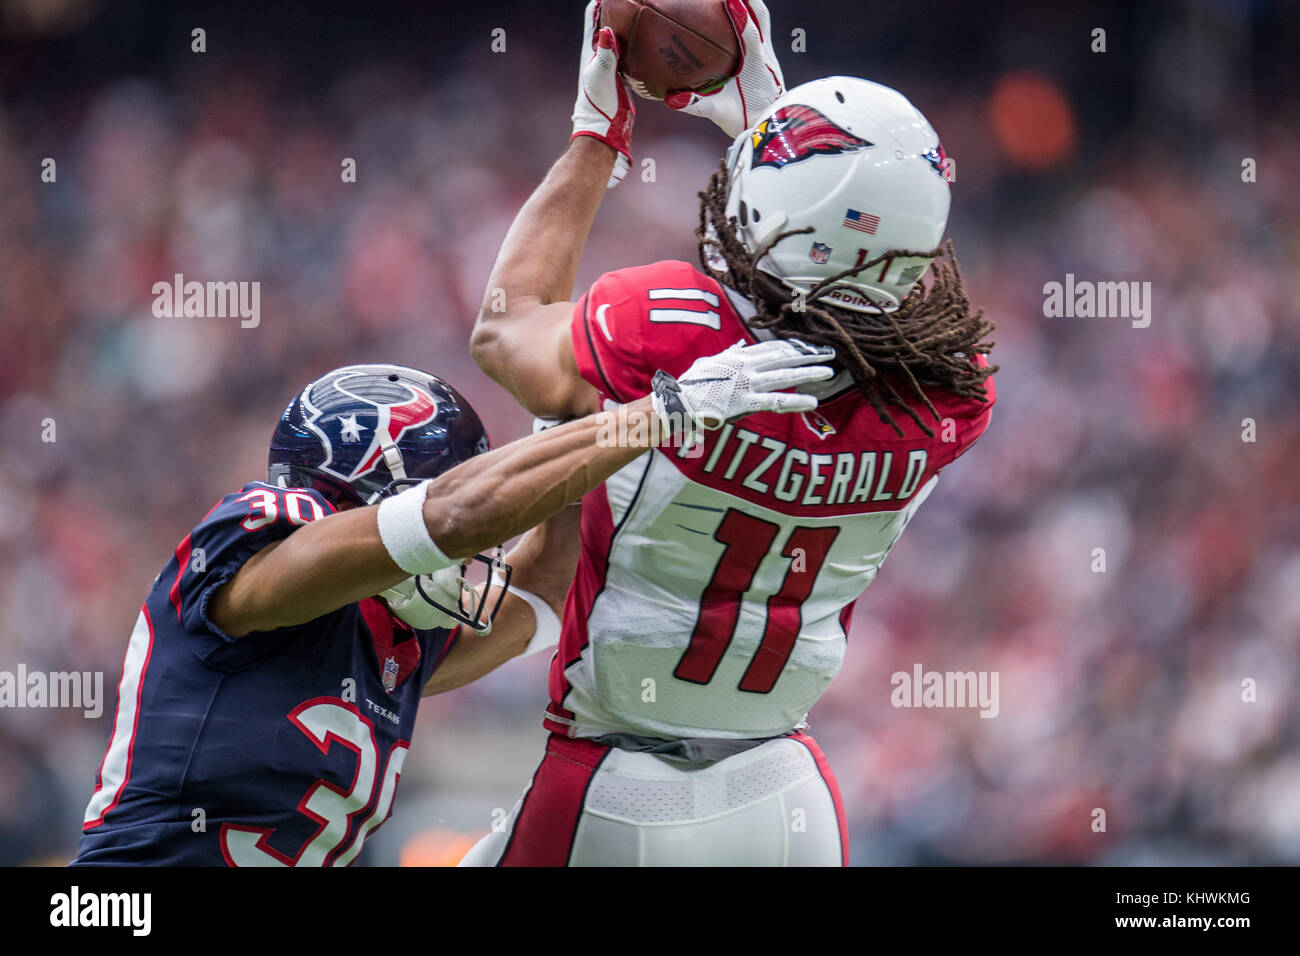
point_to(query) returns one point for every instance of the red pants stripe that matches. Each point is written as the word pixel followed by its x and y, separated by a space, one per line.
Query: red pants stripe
pixel 548 820
pixel 824 768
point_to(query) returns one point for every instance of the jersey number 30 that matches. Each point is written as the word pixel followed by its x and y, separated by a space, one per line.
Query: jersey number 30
pixel 326 721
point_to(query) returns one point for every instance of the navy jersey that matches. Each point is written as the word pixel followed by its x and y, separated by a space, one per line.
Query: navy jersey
pixel 281 747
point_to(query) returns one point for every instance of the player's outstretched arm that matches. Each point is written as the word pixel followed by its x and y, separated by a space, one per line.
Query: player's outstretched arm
pixel 493 497
pixel 522 335
pixel 355 554
pixel 521 338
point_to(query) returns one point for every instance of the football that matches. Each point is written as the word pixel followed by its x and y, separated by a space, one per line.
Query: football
pixel 671 45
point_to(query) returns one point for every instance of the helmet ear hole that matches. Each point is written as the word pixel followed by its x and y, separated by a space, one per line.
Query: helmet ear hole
pixel 757 216
pixel 393 377
pixel 839 96
pixel 744 213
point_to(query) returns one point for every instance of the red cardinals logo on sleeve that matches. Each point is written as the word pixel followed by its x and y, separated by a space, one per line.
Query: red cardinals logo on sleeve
pixel 795 133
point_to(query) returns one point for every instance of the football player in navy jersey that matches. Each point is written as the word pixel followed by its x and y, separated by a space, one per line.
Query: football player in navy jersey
pixel 270 686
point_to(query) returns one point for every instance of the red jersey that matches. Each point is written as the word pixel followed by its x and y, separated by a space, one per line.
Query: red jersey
pixel 713 593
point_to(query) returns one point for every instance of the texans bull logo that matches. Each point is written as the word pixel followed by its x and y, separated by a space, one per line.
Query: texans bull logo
pixel 354 443
pixel 795 133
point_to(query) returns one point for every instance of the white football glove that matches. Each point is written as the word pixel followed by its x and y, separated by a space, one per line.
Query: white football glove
pixel 738 381
pixel 742 99
pixel 444 586
pixel 604 107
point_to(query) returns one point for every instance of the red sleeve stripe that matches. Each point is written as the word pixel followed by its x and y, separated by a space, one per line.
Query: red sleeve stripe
pixel 595 356
pixel 184 552
pixel 182 562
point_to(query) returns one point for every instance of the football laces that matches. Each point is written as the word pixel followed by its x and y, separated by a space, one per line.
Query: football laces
pixel 639 88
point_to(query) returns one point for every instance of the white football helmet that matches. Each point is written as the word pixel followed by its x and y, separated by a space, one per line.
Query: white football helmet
pixel 859 164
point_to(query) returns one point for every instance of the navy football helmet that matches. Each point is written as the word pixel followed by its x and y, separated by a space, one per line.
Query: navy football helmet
pixel 363 432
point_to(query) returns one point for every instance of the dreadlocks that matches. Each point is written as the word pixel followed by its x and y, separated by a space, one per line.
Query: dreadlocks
pixel 929 340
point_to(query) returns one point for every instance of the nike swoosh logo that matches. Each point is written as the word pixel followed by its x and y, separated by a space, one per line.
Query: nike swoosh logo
pixel 600 317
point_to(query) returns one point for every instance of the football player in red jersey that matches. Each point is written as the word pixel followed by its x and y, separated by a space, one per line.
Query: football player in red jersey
pixel 711 604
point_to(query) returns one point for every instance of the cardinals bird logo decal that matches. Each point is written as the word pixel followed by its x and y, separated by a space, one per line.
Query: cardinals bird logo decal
pixel 818 425
pixel 795 133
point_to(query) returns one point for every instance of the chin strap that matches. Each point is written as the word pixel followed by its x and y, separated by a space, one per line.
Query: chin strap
pixel 393 459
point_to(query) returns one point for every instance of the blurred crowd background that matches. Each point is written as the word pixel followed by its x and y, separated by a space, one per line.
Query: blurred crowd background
pixel 1120 689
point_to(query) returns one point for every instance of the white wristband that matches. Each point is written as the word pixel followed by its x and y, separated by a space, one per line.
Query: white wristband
pixel 405 535
pixel 547 632
pixel 541 424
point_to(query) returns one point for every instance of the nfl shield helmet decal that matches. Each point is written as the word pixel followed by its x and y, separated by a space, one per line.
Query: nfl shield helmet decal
pixel 390 674
pixel 794 133
pixel 820 253
pixel 354 443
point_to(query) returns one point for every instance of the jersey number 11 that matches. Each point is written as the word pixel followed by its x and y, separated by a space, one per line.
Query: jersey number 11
pixel 748 540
